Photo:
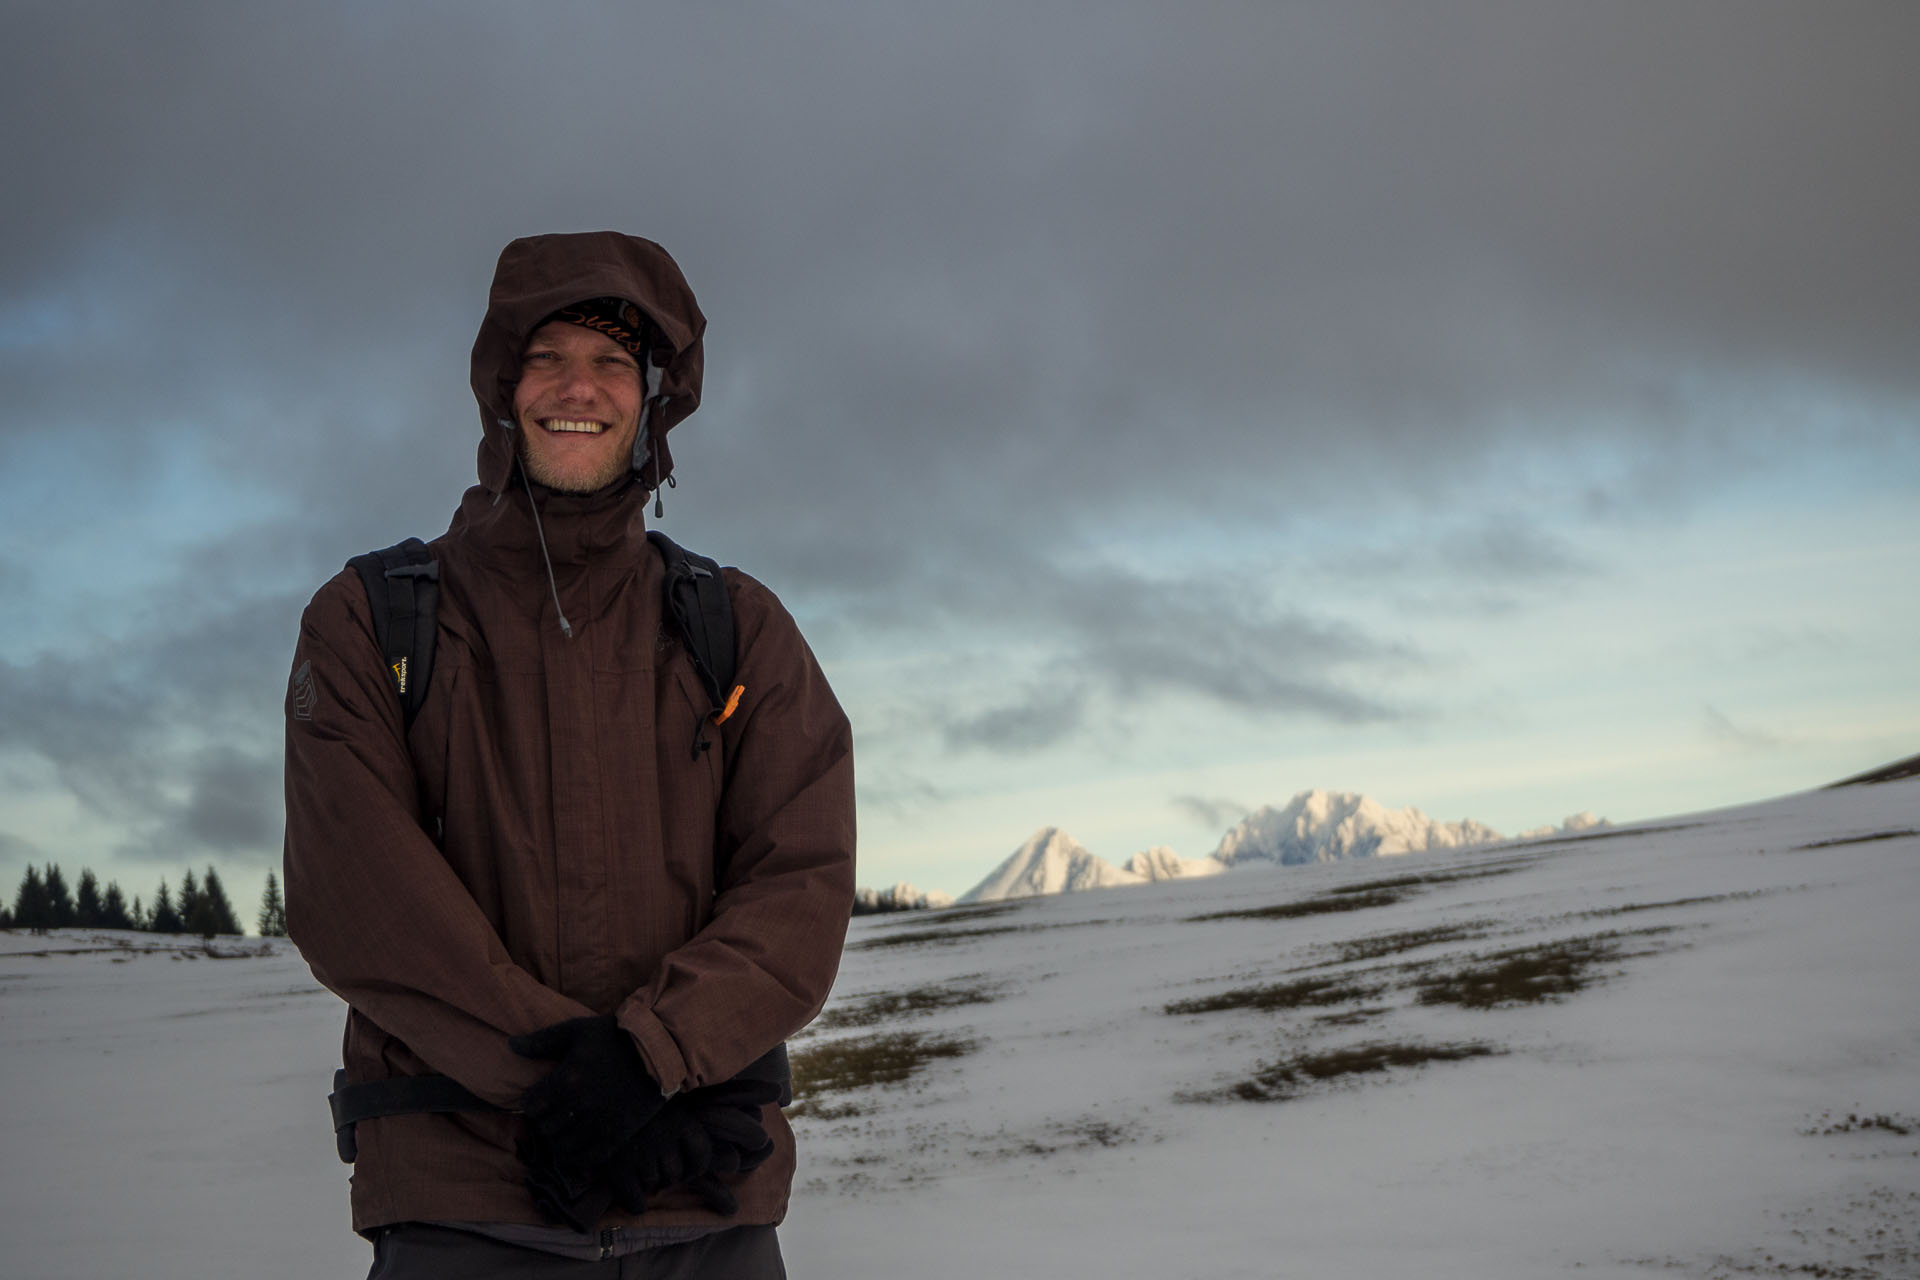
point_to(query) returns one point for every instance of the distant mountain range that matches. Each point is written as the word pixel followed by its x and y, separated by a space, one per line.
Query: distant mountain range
pixel 1315 826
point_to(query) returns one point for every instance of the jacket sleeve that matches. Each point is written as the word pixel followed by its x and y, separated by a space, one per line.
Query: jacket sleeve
pixel 375 910
pixel 765 962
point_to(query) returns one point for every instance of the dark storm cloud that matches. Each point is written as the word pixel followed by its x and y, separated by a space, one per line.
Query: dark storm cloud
pixel 1123 636
pixel 234 802
pixel 124 721
pixel 1111 257
pixel 1045 715
pixel 980 278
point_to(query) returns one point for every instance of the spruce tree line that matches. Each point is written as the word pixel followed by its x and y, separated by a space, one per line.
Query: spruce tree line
pixel 44 902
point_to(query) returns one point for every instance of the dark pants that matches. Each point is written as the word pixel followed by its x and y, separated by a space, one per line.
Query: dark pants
pixel 413 1251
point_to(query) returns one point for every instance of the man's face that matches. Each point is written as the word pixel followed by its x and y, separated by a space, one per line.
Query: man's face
pixel 578 406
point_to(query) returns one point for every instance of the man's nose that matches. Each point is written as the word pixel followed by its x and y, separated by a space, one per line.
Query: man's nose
pixel 576 383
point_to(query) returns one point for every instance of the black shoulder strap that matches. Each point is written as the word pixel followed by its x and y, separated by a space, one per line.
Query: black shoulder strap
pixel 403 586
pixel 697 598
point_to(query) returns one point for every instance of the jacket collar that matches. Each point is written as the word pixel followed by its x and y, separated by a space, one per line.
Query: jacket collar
pixel 608 526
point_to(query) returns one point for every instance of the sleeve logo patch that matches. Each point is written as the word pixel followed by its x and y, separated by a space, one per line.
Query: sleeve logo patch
pixel 301 694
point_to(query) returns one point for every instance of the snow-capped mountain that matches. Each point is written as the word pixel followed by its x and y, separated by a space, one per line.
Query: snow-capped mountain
pixel 1162 863
pixel 1327 826
pixel 1315 826
pixel 1582 821
pixel 1051 861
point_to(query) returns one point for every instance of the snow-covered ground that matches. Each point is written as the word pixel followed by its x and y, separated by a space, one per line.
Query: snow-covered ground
pixel 1736 985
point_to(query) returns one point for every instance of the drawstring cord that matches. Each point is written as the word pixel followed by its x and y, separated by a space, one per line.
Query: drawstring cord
pixel 566 628
pixel 644 434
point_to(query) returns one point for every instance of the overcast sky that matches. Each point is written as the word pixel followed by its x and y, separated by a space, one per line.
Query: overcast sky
pixel 1505 409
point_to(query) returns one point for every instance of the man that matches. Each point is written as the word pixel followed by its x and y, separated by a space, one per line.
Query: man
pixel 570 884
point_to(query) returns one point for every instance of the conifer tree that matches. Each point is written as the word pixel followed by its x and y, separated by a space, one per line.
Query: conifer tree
pixel 113 909
pixel 59 900
pixel 86 901
pixel 30 904
pixel 273 910
pixel 212 911
pixel 6 917
pixel 188 906
pixel 141 920
pixel 164 918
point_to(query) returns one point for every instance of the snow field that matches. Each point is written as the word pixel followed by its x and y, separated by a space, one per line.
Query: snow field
pixel 1685 1114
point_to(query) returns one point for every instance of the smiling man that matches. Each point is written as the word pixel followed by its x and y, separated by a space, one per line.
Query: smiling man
pixel 577 896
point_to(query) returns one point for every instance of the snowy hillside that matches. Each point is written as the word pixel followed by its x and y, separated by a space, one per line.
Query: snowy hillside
pixel 1687 1049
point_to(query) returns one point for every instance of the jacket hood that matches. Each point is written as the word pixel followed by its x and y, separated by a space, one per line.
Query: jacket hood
pixel 538 275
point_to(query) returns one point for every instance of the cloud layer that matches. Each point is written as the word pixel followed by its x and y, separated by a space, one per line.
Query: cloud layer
pixel 1103 334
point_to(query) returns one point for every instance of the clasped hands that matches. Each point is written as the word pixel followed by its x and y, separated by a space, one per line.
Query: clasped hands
pixel 601 1133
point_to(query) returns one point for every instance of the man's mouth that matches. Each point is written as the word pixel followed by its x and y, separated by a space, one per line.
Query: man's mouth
pixel 577 425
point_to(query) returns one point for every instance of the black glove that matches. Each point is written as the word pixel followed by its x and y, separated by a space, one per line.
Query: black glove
pixel 698 1138
pixel 671 1150
pixel 596 1098
pixel 562 1200
pixel 730 1113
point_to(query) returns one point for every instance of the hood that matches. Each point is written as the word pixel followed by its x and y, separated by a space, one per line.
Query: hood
pixel 536 276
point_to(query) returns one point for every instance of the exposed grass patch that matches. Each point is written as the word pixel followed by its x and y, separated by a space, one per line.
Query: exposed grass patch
pixel 1908 768
pixel 1315 992
pixel 1866 839
pixel 1632 907
pixel 1279 1081
pixel 933 937
pixel 1546 971
pixel 1365 894
pixel 888 1005
pixel 939 916
pixel 1082 1134
pixel 1374 946
pixel 858 1062
pixel 927 936
pixel 1422 879
pixel 1904 1126
pixel 1352 898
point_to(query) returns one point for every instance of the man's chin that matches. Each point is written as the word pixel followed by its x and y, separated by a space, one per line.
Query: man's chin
pixel 570 482
pixel 573 486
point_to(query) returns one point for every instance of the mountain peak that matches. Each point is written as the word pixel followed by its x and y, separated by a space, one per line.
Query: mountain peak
pixel 1051 861
pixel 1326 826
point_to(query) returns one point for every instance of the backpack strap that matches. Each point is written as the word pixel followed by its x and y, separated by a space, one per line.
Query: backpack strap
pixel 697 598
pixel 403 586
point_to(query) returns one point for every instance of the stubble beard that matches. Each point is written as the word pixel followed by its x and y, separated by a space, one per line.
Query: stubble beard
pixel 544 475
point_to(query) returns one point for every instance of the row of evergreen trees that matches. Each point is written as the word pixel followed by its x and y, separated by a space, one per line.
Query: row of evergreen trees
pixel 44 902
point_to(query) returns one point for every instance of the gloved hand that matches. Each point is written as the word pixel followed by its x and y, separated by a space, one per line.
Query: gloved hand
pixel 730 1113
pixel 672 1149
pixel 596 1098
pixel 561 1200
pixel 698 1138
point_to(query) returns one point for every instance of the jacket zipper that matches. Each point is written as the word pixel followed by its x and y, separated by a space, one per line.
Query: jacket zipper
pixel 606 1243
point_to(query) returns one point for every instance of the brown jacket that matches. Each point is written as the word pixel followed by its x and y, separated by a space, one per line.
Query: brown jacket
pixel 544 843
